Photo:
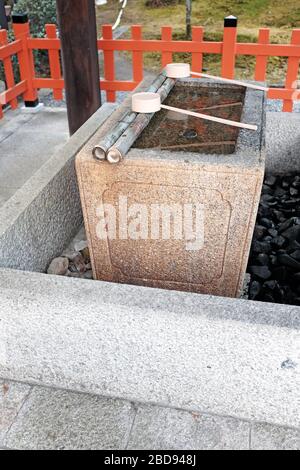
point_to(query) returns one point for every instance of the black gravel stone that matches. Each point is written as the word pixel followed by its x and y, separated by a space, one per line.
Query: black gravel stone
pixel 261 247
pixel 263 259
pixel 279 192
pixel 278 242
pixel 270 180
pixel 254 290
pixel 267 190
pixel 274 263
pixel 267 198
pixel 293 246
pixel 280 273
pixel 272 232
pixel 260 231
pixel 287 260
pixel 294 192
pixel 296 255
pixel 292 233
pixel 267 222
pixel 261 272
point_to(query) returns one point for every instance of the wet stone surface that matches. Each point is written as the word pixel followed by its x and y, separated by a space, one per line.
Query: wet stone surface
pixel 274 262
pixel 190 134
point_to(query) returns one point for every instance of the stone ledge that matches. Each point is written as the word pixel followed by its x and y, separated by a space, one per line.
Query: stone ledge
pixel 182 350
pixel 283 142
pixel 44 215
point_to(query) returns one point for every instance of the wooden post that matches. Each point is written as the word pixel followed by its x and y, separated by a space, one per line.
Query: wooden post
pixel 3 18
pixel 78 34
pixel 188 19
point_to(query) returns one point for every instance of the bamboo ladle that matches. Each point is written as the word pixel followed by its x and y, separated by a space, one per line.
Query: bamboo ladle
pixel 151 103
pixel 181 70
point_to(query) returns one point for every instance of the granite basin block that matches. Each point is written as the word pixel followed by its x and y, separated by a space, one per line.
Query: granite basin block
pixel 149 237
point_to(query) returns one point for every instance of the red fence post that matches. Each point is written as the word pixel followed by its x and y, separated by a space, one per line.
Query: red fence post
pixel 54 61
pixel 229 47
pixel 166 35
pixel 137 56
pixel 109 62
pixel 8 68
pixel 262 60
pixel 197 57
pixel 26 62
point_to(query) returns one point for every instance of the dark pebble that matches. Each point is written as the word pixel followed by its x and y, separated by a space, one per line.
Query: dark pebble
pixel 293 246
pixel 273 232
pixel 260 231
pixel 292 233
pixel 296 255
pixel 266 222
pixel 280 273
pixel 261 247
pixel 262 272
pixel 266 189
pixel 294 192
pixel 270 180
pixel 274 262
pixel 254 290
pixel 278 242
pixel 287 260
pixel 263 259
pixel 279 192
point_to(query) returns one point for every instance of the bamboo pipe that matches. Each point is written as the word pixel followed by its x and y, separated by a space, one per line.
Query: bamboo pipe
pixel 100 150
pixel 124 143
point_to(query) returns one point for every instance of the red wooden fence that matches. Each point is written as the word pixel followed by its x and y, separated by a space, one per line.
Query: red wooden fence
pixel 229 49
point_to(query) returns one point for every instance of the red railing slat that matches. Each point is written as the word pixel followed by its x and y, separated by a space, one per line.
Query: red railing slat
pixel 166 35
pixel 137 56
pixel 262 60
pixel 26 62
pixel 197 57
pixel 54 61
pixel 229 48
pixel 109 62
pixel 8 68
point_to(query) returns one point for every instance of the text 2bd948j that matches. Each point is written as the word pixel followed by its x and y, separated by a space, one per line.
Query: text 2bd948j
pixel 151 459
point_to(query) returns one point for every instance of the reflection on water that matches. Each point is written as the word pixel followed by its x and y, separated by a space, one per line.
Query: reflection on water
pixel 172 131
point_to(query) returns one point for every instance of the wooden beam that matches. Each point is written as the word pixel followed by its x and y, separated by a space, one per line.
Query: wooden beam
pixel 78 34
pixel 3 18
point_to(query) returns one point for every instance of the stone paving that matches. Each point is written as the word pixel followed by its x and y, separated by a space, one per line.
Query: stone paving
pixel 37 418
pixel 27 141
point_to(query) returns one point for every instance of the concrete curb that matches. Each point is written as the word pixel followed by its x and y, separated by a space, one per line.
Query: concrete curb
pixel 31 221
pixel 168 348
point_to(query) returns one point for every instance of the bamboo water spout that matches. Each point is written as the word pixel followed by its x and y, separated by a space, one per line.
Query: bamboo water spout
pixel 117 152
pixel 100 150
